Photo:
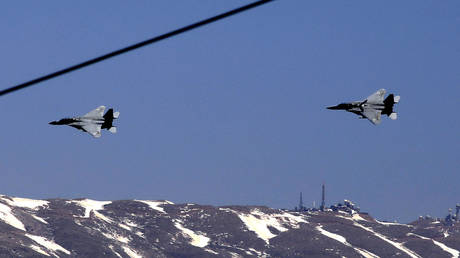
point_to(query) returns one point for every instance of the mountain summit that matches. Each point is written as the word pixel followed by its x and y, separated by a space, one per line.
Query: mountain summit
pixel 139 228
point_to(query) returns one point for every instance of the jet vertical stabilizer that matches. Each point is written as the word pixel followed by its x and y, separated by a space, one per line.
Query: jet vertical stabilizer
pixel 109 117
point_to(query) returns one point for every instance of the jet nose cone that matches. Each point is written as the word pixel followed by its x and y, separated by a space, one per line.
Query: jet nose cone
pixel 339 106
pixel 53 123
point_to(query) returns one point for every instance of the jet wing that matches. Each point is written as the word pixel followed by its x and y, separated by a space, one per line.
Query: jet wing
pixel 96 113
pixel 93 129
pixel 373 115
pixel 377 97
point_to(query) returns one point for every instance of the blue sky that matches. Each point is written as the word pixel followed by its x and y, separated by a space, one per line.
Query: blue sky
pixel 234 112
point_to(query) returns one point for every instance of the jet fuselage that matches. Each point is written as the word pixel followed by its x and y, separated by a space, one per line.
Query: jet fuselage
pixel 78 121
pixel 358 106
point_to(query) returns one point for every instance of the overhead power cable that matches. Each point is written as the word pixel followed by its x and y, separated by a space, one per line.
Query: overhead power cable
pixel 135 46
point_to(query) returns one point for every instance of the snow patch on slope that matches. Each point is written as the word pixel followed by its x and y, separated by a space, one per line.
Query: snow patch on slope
pixel 292 220
pixel 334 236
pixel 357 217
pixel 235 255
pixel 197 240
pixel 91 205
pixel 102 217
pixel 128 225
pixel 25 203
pixel 116 237
pixel 343 240
pixel 258 253
pixel 7 216
pixel 39 219
pixel 445 234
pixel 393 224
pixel 453 252
pixel 258 222
pixel 140 234
pixel 131 253
pixel 131 224
pixel 123 226
pixel 259 226
pixel 210 251
pixel 155 205
pixel 48 244
pixel 38 250
pixel 115 252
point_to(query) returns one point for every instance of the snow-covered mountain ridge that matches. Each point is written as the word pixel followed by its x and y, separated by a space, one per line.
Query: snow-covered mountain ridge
pixel 138 228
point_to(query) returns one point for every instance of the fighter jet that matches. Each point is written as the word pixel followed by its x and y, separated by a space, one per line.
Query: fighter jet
pixel 92 122
pixel 373 107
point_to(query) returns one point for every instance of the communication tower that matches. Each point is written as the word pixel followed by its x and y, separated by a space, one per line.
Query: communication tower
pixel 323 198
pixel 457 212
pixel 301 207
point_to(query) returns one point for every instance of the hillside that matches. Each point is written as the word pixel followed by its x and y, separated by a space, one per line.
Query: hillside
pixel 133 228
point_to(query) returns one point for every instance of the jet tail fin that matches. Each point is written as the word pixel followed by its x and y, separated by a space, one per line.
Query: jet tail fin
pixel 391 100
pixel 111 115
pixel 389 103
pixel 108 120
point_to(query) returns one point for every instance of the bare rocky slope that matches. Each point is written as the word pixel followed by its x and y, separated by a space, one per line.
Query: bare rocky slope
pixel 88 228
